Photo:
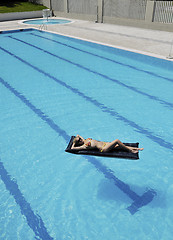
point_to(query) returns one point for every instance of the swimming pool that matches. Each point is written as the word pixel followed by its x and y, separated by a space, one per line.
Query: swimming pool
pixel 52 87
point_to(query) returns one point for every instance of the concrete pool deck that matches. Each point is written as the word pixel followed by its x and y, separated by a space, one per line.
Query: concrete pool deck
pixel 151 42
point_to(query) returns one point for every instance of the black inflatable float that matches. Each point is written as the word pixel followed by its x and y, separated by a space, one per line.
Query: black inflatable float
pixel 113 153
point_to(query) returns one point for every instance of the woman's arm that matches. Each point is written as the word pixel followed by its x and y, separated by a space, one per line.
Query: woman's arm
pixel 78 148
pixel 80 137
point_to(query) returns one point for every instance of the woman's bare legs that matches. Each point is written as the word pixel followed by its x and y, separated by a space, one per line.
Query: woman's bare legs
pixel 135 149
pixel 118 143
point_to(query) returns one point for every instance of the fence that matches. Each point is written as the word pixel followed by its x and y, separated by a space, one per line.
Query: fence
pixel 140 13
pixel 58 5
pixel 82 6
pixel 163 11
pixel 132 9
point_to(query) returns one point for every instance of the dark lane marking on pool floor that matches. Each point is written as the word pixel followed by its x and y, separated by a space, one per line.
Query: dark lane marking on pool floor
pixel 110 111
pixel 34 220
pixel 165 103
pixel 105 58
pixel 138 201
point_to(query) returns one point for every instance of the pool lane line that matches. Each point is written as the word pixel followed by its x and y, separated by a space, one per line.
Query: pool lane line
pixel 34 221
pixel 102 57
pixel 138 201
pixel 165 103
pixel 103 108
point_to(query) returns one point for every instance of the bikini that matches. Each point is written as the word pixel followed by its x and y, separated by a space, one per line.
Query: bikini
pixel 88 144
pixel 103 147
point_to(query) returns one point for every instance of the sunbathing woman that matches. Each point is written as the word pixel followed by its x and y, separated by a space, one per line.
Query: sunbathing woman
pixel 80 143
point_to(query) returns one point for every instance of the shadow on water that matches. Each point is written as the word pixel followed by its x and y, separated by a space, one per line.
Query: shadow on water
pixel 107 191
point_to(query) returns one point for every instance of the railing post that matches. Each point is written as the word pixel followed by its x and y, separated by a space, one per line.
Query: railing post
pixel 66 9
pixel 149 16
pixel 100 11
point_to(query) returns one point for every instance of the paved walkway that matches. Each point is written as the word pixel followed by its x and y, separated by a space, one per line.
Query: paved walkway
pixel 152 42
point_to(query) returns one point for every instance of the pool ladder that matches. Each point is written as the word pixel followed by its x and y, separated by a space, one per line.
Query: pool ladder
pixel 171 52
pixel 43 27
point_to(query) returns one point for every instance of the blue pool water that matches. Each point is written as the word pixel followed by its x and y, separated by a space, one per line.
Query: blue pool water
pixel 52 87
pixel 47 21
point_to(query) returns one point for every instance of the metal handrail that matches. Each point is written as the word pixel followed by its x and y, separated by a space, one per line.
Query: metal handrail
pixel 43 27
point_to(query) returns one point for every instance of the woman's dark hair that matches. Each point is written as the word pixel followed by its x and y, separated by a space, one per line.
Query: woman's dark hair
pixel 77 142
